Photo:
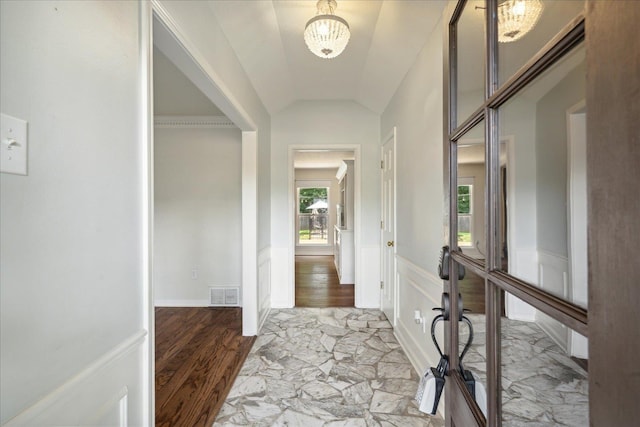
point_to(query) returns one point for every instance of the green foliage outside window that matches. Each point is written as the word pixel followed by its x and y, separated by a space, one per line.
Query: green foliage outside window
pixel 309 196
pixel 464 199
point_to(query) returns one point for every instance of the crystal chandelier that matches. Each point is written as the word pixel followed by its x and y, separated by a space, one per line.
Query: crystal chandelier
pixel 516 18
pixel 326 34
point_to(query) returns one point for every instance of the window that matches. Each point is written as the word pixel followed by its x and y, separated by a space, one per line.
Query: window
pixel 465 213
pixel 313 215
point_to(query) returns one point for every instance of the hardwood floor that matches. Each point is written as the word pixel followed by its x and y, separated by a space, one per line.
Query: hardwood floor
pixel 472 290
pixel 317 284
pixel 199 352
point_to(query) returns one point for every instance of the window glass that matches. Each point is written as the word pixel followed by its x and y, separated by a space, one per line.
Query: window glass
pixel 313 216
pixel 544 369
pixel 543 214
pixel 470 57
pixel 525 26
pixel 472 336
pixel 470 192
pixel 465 212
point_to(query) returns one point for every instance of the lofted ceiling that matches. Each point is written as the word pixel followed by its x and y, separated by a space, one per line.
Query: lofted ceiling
pixel 174 94
pixel 386 37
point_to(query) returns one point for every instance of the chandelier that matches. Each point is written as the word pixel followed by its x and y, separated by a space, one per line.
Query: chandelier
pixel 516 18
pixel 326 34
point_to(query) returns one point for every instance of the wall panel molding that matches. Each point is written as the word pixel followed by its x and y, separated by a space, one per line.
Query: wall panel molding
pixel 101 394
pixel 264 285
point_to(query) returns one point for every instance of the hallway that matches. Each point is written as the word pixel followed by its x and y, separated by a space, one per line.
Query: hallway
pixel 317 284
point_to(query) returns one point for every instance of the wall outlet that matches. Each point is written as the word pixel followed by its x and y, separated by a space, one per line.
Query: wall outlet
pixel 194 273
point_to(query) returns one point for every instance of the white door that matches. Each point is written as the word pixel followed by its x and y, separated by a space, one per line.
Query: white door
pixel 388 226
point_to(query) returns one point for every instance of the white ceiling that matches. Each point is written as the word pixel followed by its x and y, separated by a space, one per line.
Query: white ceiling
pixel 320 159
pixel 386 37
pixel 174 94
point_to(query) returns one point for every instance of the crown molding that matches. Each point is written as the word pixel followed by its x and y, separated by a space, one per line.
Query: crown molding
pixel 193 122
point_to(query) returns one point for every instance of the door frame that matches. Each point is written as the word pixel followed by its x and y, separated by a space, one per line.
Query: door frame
pixel 182 51
pixel 291 196
pixel 391 138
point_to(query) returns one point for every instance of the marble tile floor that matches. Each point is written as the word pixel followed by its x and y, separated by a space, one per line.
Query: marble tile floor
pixel 325 367
pixel 541 385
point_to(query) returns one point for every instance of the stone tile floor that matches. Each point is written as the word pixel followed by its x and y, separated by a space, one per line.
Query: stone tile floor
pixel 325 367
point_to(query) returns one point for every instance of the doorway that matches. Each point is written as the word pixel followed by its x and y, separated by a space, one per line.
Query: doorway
pixel 237 216
pixel 324 225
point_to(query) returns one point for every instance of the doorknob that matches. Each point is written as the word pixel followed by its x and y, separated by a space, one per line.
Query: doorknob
pixel 390 243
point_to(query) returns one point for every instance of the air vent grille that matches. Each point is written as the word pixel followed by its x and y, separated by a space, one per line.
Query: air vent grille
pixel 224 297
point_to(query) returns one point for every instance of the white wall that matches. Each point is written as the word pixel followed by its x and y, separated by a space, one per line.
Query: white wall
pixel 333 123
pixel 198 213
pixel 416 111
pixel 72 276
pixel 200 25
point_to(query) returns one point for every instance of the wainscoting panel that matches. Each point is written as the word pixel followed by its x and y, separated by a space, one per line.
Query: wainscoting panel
pixel 554 275
pixel 367 287
pixel 109 392
pixel 281 281
pixel 417 290
pixel 264 285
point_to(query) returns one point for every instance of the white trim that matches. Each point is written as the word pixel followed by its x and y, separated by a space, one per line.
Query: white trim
pixel 577 221
pixel 264 285
pixel 249 233
pixel 291 221
pixel 27 416
pixel 147 365
pixel 193 122
pixel 408 268
pixel 391 137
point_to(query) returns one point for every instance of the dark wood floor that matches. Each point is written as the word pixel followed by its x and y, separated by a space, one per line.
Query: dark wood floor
pixel 472 291
pixel 199 352
pixel 317 284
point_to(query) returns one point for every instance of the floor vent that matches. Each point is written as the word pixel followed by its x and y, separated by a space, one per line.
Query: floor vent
pixel 224 297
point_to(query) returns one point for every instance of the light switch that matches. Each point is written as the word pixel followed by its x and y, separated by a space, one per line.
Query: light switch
pixel 13 145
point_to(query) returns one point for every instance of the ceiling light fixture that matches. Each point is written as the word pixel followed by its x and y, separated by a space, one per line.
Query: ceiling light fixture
pixel 516 18
pixel 326 34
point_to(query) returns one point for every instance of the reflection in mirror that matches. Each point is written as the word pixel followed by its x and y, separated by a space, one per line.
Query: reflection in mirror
pixel 543 214
pixel 517 45
pixel 471 190
pixel 473 363
pixel 470 69
pixel 544 370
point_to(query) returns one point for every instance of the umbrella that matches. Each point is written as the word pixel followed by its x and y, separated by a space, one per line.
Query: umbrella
pixel 320 204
